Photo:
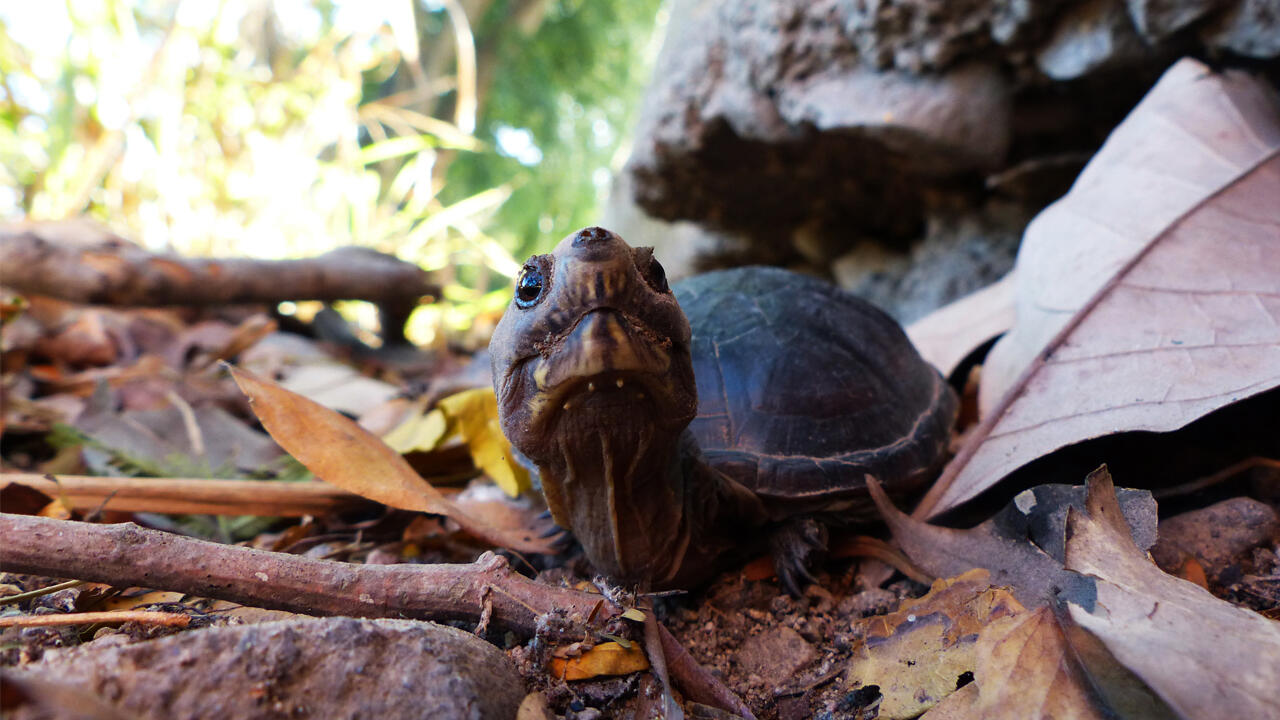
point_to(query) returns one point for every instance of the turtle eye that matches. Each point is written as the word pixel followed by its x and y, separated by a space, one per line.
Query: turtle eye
pixel 529 286
pixel 656 276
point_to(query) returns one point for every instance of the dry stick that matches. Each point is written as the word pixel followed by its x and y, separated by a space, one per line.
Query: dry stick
pixel 111 271
pixel 128 555
pixel 269 498
pixel 149 617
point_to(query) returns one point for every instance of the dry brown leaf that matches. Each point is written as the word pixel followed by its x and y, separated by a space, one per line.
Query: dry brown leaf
pixel 947 335
pixel 1027 668
pixel 1203 656
pixel 1021 546
pixel 607 658
pixel 1149 295
pixel 341 452
pixel 918 654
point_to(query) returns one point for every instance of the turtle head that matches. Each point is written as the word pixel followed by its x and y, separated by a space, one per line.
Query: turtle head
pixel 595 384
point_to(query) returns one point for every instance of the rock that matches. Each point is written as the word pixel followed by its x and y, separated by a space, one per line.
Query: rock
pixel 761 118
pixel 1251 28
pixel 1215 536
pixel 775 655
pixel 804 133
pixel 940 124
pixel 1091 36
pixel 331 667
pixel 1158 19
pixel 960 253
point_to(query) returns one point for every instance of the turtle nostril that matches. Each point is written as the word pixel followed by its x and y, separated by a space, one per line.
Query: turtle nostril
pixel 587 237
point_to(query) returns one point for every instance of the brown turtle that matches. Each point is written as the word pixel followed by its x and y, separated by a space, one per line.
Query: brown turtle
pixel 801 391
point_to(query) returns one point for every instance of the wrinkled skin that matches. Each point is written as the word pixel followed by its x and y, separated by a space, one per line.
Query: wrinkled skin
pixel 594 382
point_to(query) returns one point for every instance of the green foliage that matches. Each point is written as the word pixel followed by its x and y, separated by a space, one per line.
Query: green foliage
pixel 574 84
pixel 279 129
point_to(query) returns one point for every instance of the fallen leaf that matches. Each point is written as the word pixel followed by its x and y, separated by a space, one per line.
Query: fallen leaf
pixel 1149 295
pixel 177 441
pixel 473 415
pixel 1021 546
pixel 918 654
pixel 1027 667
pixel 419 432
pixel 607 658
pixel 341 452
pixel 949 334
pixel 1203 656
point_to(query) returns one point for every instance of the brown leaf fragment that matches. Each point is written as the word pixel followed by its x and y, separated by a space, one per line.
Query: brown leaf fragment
pixel 918 654
pixel 1021 546
pixel 341 452
pixel 1148 296
pixel 1203 656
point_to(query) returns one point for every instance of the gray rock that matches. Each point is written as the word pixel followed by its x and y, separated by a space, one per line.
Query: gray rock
pixel 1159 19
pixel 1090 36
pixel 960 254
pixel 1251 28
pixel 939 124
pixel 331 667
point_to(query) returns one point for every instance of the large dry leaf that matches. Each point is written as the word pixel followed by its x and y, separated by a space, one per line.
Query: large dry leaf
pixel 1028 666
pixel 341 452
pixel 1021 546
pixel 1149 295
pixel 1203 656
pixel 947 335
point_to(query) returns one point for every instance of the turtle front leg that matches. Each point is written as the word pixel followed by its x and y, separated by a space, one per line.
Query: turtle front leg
pixel 797 545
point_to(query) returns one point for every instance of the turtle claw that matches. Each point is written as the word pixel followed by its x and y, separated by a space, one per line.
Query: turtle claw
pixel 797 545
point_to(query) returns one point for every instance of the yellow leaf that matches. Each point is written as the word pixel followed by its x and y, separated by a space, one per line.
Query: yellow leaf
pixel 345 454
pixel 419 432
pixel 634 614
pixel 608 658
pixel 473 416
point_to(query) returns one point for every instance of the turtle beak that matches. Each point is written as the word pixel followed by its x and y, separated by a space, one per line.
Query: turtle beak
pixel 606 358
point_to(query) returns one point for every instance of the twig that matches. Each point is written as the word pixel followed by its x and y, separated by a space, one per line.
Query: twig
pixel 268 498
pixel 149 617
pixel 1226 473
pixel 695 682
pixel 32 594
pixel 127 555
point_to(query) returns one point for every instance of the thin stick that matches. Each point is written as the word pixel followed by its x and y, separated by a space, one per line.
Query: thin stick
pixel 149 617
pixel 31 594
pixel 269 498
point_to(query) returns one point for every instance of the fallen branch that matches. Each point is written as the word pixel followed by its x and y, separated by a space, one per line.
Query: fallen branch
pixel 128 555
pixel 147 617
pixel 268 498
pixel 83 264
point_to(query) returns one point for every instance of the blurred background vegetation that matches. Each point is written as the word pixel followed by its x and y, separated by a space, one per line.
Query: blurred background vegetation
pixel 459 134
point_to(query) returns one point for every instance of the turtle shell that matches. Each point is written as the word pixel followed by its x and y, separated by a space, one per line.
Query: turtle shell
pixel 804 389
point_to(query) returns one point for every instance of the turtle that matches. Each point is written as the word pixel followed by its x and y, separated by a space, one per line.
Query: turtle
pixel 674 428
